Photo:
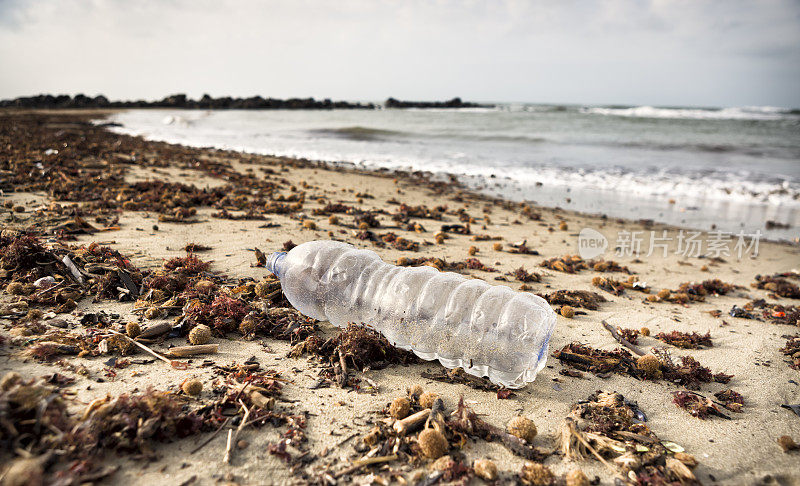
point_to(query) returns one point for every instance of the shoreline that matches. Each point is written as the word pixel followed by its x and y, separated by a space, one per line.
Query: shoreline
pixel 744 449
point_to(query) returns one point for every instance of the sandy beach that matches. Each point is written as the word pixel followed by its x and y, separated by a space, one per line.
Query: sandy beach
pixel 56 166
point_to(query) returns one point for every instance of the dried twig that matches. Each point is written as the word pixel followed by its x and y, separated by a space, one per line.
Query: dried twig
pixel 622 340
pixel 402 427
pixel 183 351
pixel 178 365
pixel 366 461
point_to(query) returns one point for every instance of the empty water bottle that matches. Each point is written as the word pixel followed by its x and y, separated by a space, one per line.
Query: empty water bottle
pixel 489 330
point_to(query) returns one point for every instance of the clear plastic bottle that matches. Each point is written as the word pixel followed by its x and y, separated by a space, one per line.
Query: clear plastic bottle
pixel 489 330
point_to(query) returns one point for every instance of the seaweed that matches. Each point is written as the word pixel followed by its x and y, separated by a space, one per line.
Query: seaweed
pixel 525 276
pixel 686 340
pixel 792 350
pixel 575 298
pixel 697 405
pixel 609 428
pixel 778 285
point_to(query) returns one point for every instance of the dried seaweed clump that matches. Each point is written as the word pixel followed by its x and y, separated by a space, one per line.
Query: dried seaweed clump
pixel 792 351
pixel 574 264
pixel 778 285
pixel 773 312
pixel 566 264
pixel 443 265
pixel 598 361
pixel 224 313
pixel 609 428
pixel 575 298
pixel 525 276
pixel 697 405
pixel 405 212
pixel 688 373
pixel 730 399
pixel 686 340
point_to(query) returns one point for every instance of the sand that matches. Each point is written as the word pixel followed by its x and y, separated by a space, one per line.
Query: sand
pixel 738 451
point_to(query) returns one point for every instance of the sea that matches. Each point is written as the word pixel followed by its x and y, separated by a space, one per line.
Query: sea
pixel 729 169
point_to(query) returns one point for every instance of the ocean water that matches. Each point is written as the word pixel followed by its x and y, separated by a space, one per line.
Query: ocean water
pixel 731 169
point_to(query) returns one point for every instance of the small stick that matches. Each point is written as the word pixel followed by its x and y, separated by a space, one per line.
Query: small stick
pixel 402 427
pixel 366 462
pixel 175 364
pixel 622 340
pixel 343 364
pixel 227 458
pixel 184 351
pixel 236 434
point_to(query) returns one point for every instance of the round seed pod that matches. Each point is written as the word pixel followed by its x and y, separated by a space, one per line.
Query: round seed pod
pixel 200 334
pixel 567 311
pixel 363 226
pixel 652 298
pixel 439 238
pixel 772 286
pixel 426 399
pixel 248 324
pixel 472 250
pixel 563 226
pixel 485 469
pixel 133 329
pixel 648 364
pixel 333 219
pixel 204 286
pixel 433 444
pixel 192 387
pixel 153 313
pixel 308 224
pixel 576 477
pixel 400 408
pixel 663 294
pixel 498 247
pixel 536 474
pixel 15 288
pixel 645 331
pixel 597 281
pixel 9 380
pixel 416 390
pixel 522 427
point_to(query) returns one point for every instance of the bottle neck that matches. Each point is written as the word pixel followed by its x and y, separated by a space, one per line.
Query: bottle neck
pixel 276 263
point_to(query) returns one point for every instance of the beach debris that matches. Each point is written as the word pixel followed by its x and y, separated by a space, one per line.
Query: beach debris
pixel 520 248
pixel 522 427
pixel 697 405
pixel 792 350
pixel 574 298
pixel 627 337
pixel 459 376
pixel 192 387
pixel 685 340
pixel 687 372
pixel 485 469
pixel 525 276
pixel 444 265
pixel 567 311
pixel 778 285
pixel 574 264
pixel 730 399
pixel 536 474
pixel 200 334
pixel 606 428
pixel 774 313
pixel 788 444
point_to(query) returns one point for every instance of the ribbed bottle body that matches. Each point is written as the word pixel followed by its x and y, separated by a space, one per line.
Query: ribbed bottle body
pixel 489 330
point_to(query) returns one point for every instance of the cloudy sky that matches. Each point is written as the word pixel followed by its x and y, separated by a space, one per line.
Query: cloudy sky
pixel 657 52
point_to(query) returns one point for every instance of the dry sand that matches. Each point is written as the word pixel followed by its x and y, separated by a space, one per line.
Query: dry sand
pixel 740 451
